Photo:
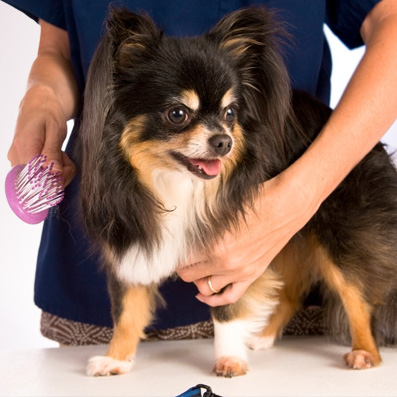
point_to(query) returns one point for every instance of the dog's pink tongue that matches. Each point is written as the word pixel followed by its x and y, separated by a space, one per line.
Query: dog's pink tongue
pixel 210 167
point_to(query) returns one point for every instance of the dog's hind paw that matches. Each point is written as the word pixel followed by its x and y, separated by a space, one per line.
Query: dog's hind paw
pixel 230 366
pixel 361 359
pixel 260 342
pixel 105 366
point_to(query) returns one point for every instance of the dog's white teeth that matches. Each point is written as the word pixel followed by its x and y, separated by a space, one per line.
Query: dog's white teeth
pixel 199 167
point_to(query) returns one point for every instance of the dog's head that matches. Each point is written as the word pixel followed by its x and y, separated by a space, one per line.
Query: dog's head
pixel 180 99
pixel 180 103
pixel 198 106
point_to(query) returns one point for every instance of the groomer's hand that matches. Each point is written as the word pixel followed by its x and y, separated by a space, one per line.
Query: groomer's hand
pixel 282 209
pixel 365 112
pixel 51 100
pixel 41 128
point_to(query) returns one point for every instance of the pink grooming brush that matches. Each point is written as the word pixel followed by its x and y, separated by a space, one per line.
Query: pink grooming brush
pixel 32 189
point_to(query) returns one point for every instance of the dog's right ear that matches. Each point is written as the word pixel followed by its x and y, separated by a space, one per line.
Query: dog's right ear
pixel 128 36
pixel 131 34
pixel 126 40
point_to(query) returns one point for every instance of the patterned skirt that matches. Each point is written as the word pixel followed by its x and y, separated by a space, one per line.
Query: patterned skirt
pixel 308 321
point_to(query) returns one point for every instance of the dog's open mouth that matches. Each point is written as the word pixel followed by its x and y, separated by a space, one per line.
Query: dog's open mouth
pixel 203 168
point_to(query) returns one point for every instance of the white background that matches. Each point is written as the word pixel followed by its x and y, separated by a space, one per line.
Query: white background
pixel 18 241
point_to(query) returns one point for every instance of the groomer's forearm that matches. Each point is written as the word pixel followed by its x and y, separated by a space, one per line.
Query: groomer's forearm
pixel 53 76
pixel 365 112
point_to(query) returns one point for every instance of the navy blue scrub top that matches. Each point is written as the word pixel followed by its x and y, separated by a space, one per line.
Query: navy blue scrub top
pixel 69 282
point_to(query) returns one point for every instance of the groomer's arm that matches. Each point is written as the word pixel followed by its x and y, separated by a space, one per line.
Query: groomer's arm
pixel 366 111
pixel 51 99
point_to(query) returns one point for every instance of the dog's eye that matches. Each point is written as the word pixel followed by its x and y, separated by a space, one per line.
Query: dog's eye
pixel 230 114
pixel 178 115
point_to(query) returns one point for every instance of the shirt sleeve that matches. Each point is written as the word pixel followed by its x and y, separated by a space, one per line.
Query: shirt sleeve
pixel 51 11
pixel 345 17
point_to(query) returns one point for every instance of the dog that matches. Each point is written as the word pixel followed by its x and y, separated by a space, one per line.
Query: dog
pixel 177 136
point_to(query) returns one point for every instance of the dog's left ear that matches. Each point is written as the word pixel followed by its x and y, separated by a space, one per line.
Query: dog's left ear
pixel 251 38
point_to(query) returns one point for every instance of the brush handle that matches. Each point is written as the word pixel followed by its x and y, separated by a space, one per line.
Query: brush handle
pixel 13 201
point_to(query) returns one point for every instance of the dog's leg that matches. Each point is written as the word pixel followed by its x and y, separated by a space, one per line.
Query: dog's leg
pixel 235 324
pixel 277 321
pixel 365 353
pixel 230 348
pixel 130 319
pixel 296 283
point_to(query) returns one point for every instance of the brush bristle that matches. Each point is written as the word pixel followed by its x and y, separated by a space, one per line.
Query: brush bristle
pixel 38 188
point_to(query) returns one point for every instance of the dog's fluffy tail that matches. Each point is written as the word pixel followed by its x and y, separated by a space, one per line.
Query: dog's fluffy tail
pixel 385 321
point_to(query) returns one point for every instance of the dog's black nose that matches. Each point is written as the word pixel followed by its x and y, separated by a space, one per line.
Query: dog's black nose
pixel 221 143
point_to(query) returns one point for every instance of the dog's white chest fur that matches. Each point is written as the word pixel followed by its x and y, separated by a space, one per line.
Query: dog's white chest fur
pixel 181 195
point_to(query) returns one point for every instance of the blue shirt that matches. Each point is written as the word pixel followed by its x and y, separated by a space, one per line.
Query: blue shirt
pixel 69 282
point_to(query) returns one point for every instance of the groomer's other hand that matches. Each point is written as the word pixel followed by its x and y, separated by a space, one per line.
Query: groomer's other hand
pixel 238 259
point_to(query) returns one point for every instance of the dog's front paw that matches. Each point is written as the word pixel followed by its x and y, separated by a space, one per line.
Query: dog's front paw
pixel 361 359
pixel 230 366
pixel 105 366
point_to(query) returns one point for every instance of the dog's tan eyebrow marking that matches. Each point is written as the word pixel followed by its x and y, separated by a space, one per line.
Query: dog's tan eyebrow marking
pixel 190 99
pixel 132 131
pixel 228 98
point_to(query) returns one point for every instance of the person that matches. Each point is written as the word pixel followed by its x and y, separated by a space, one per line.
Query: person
pixel 69 286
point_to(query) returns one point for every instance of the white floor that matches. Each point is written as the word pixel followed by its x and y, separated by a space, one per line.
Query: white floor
pixel 296 366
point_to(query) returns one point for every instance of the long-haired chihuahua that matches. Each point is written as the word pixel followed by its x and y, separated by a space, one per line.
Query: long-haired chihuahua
pixel 177 136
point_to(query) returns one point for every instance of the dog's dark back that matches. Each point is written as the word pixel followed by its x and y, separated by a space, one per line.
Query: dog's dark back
pixel 357 225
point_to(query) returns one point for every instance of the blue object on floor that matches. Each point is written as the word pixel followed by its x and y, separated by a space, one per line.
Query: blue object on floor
pixel 196 392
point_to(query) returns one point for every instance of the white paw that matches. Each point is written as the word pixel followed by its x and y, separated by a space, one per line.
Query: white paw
pixel 105 366
pixel 260 342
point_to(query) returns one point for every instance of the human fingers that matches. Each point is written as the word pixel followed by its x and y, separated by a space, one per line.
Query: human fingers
pixel 40 128
pixel 212 284
pixel 69 169
pixel 229 295
pixel 210 276
pixel 43 137
pixel 221 285
pixel 198 269
pixel 219 271
pixel 207 276
pixel 28 141
pixel 55 133
pixel 203 264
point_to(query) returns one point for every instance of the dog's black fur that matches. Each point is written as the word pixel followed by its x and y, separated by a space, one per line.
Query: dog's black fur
pixel 136 79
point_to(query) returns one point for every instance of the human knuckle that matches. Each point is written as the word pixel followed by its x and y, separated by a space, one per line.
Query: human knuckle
pixel 228 264
pixel 233 299
pixel 184 277
pixel 246 271
pixel 230 298
pixel 18 142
